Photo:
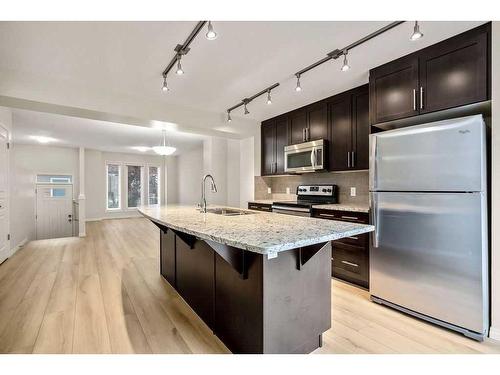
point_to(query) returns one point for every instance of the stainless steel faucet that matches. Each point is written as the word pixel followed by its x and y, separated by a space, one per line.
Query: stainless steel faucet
pixel 203 203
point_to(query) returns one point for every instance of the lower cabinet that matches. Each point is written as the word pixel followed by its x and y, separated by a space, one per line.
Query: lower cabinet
pixel 260 206
pixel 350 255
pixel 167 256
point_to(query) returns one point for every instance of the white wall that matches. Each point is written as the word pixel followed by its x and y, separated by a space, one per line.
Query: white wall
pixel 95 181
pixel 189 175
pixel 233 173
pixel 215 162
pixel 495 180
pixel 248 169
pixel 26 161
pixel 170 180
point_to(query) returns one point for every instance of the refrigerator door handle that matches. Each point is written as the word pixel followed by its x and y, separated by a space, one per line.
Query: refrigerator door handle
pixel 372 171
pixel 374 215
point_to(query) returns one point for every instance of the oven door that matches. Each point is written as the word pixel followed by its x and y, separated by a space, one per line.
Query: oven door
pixel 304 157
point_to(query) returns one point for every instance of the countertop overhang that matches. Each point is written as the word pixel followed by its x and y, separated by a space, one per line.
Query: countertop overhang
pixel 259 232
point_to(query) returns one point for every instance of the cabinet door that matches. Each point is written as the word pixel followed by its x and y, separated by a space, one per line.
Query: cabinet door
pixel 318 121
pixel 360 128
pixel 167 256
pixel 340 132
pixel 268 144
pixel 393 90
pixel 454 72
pixel 298 122
pixel 281 142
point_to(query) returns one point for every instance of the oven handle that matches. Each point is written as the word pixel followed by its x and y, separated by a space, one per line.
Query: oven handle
pixel 286 208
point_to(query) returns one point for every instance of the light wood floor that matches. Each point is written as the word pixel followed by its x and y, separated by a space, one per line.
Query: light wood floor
pixel 104 294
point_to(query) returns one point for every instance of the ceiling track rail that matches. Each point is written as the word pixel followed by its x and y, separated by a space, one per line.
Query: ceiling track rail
pixel 335 54
pixel 245 101
pixel 183 49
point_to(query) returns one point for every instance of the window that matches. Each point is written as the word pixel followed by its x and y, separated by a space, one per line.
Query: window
pixel 53 179
pixel 113 186
pixel 58 192
pixel 134 186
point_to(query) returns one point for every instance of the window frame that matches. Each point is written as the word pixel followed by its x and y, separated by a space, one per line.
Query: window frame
pixel 119 164
pixel 158 168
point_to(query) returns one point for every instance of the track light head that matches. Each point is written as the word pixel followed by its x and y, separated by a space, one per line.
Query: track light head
pixel 211 34
pixel 229 119
pixel 345 65
pixel 165 87
pixel 179 70
pixel 269 100
pixel 416 32
pixel 297 87
pixel 246 112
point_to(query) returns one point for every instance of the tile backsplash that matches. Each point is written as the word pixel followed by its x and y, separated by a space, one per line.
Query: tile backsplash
pixel 344 180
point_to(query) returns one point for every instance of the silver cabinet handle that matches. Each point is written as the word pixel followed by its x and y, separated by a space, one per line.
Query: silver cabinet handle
pixel 349 217
pixel 349 263
pixel 354 238
pixel 414 99
pixel 421 97
pixel 348 159
pixel 326 215
pixel 304 134
pixel 352 162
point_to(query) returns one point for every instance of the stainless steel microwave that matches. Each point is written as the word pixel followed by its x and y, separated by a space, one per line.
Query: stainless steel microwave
pixel 305 157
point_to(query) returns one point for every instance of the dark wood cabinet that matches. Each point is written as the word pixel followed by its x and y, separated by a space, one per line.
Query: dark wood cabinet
pixel 274 138
pixel 340 112
pixel 449 74
pixel 260 206
pixel 317 120
pixel 349 130
pixel 350 255
pixel 298 126
pixel 167 256
pixel 454 72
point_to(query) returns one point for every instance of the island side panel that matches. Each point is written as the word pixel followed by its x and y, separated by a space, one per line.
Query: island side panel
pixel 167 255
pixel 238 304
pixel 297 302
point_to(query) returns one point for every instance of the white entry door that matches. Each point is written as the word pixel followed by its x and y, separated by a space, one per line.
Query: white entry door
pixel 54 211
pixel 4 196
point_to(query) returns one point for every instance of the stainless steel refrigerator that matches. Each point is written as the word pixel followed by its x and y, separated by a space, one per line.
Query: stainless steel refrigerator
pixel 429 251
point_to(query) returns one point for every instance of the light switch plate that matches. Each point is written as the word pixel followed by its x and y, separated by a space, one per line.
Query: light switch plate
pixel 288 190
pixel 268 190
pixel 353 191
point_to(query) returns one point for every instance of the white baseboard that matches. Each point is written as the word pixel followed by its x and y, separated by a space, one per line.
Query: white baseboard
pixel 494 333
pixel 18 246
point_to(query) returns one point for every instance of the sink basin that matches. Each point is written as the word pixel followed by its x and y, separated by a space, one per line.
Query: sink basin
pixel 228 211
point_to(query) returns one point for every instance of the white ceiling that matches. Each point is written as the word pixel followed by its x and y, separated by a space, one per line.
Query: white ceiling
pixel 99 135
pixel 100 65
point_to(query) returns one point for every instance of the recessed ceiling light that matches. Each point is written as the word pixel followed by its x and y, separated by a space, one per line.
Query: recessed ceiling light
pixel 43 139
pixel 141 148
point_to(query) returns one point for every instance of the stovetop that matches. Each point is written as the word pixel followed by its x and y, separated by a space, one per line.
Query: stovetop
pixel 309 195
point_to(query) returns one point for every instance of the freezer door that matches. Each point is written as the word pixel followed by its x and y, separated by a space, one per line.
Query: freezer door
pixel 429 254
pixel 446 155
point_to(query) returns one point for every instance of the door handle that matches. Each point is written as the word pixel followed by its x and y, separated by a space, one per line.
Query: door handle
pixel 303 134
pixel 348 159
pixel 349 263
pixel 421 97
pixel 352 162
pixel 374 214
pixel 313 158
pixel 414 99
pixel 307 135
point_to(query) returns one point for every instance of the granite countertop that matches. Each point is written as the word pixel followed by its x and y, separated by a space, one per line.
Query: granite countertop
pixel 259 232
pixel 344 207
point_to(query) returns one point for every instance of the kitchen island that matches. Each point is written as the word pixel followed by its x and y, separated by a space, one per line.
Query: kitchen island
pixel 260 281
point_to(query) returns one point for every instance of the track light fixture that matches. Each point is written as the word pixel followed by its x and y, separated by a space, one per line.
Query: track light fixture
pixel 165 87
pixel 179 70
pixel 269 100
pixel 229 119
pixel 244 102
pixel 345 65
pixel 416 32
pixel 246 112
pixel 211 34
pixel 298 88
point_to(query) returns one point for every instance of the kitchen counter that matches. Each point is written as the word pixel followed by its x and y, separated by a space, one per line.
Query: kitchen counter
pixel 263 233
pixel 261 282
pixel 343 207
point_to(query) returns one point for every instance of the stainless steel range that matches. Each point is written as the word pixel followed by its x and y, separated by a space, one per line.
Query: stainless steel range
pixel 307 196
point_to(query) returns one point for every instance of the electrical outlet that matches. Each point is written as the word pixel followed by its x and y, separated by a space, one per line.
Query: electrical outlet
pixel 269 190
pixel 353 191
pixel 288 190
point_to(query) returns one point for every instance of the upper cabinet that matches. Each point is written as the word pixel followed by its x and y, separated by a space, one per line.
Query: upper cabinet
pixel 449 74
pixel 309 123
pixel 274 138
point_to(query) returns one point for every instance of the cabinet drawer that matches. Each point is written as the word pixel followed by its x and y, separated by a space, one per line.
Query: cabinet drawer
pixel 360 240
pixel 355 217
pixel 260 207
pixel 350 264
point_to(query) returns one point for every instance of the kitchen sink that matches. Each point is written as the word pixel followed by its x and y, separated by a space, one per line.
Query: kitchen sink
pixel 228 211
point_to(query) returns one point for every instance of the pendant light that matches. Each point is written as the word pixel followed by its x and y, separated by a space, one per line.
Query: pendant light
pixel 298 88
pixel 179 70
pixel 345 65
pixel 211 34
pixel 164 149
pixel 416 32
